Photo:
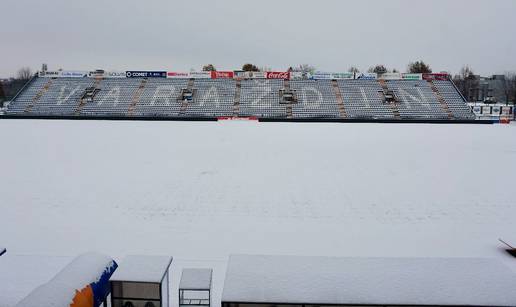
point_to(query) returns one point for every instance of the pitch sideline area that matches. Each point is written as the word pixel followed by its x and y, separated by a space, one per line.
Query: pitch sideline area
pixel 202 190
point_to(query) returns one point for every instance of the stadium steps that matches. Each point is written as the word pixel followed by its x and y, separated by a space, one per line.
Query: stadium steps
pixel 43 90
pixel 286 85
pixel 136 97
pixel 340 100
pixel 82 102
pixel 393 106
pixel 238 91
pixel 441 100
pixel 184 103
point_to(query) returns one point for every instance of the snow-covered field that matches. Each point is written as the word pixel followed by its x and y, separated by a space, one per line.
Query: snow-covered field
pixel 201 191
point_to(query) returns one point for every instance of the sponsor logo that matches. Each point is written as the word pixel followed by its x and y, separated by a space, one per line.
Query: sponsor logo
pixel 391 76
pixel 174 74
pixel 255 75
pixel 146 74
pixel 412 76
pixel 367 76
pixel 200 74
pixel 277 75
pixel 222 74
pixel 73 74
pixel 439 77
pixel 115 74
pixel 50 74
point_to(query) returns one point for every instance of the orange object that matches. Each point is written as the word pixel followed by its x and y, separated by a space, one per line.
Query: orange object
pixel 83 298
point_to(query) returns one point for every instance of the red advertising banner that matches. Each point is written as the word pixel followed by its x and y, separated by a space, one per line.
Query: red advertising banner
pixel 173 74
pixel 431 77
pixel 277 75
pixel 222 75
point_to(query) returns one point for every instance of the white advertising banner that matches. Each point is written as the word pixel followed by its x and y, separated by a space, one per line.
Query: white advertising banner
pixel 73 74
pixel 412 76
pixel 391 76
pixel 200 74
pixel 115 74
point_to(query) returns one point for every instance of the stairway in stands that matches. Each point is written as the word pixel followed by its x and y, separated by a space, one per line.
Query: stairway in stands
pixel 238 91
pixel 340 100
pixel 441 100
pixel 82 102
pixel 286 86
pixel 184 103
pixel 393 106
pixel 40 93
pixel 136 97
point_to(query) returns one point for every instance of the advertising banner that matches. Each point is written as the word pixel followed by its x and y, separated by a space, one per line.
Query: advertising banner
pixel 222 75
pixel 412 76
pixel 343 75
pixel 321 75
pixel 391 76
pixel 200 74
pixel 367 76
pixel 285 75
pixel 255 75
pixel 73 74
pixel 145 74
pixel 49 74
pixel 495 111
pixel 97 74
pixel 506 110
pixel 114 74
pixel 175 74
pixel 432 77
pixel 486 110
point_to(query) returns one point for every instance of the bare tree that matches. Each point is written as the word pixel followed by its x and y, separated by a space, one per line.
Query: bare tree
pixel 304 68
pixel 467 83
pixel 209 67
pixel 418 67
pixel 24 73
pixel 509 87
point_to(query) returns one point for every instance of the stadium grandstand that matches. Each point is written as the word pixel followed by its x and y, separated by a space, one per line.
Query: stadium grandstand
pixel 237 94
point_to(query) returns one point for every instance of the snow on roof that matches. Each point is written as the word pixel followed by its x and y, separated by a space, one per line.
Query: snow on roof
pixel 142 268
pixel 60 290
pixel 195 279
pixel 369 281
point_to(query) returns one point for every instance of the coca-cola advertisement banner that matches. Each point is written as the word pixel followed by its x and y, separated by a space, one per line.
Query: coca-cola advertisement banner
pixel 175 74
pixel 222 74
pixel 431 77
pixel 285 75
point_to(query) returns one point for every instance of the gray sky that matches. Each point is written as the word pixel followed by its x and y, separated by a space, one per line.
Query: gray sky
pixel 331 35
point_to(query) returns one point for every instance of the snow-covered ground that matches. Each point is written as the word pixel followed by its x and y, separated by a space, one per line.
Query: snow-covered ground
pixel 201 191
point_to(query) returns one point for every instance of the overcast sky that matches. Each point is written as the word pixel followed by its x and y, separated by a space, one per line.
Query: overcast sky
pixel 331 35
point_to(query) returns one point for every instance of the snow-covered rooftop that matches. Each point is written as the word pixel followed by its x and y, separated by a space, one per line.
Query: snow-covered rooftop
pixel 369 281
pixel 195 279
pixel 142 268
pixel 61 289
